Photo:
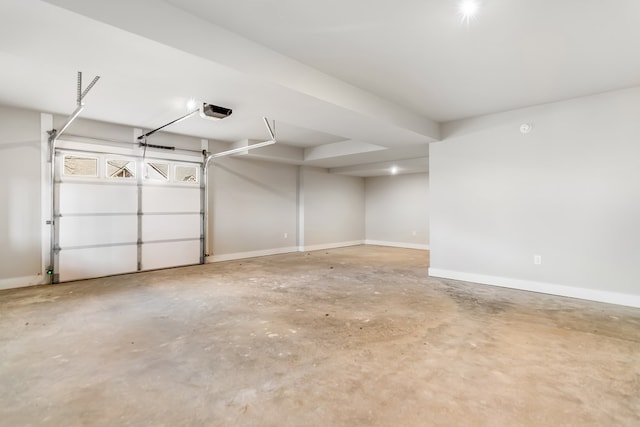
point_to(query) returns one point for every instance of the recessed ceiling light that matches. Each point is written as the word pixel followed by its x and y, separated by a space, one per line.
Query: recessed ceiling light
pixel 468 9
pixel 394 170
pixel 192 104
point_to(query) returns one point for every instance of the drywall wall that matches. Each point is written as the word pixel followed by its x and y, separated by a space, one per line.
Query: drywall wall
pixel 397 210
pixel 20 207
pixel 252 208
pixel 568 191
pixel 332 209
pixel 103 131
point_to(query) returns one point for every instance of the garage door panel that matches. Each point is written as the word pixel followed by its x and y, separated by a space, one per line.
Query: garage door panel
pixel 76 264
pixel 98 230
pixel 170 199
pixel 110 221
pixel 170 254
pixel 170 227
pixel 97 198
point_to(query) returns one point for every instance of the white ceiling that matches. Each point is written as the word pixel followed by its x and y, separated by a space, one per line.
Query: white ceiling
pixel 419 53
pixel 359 82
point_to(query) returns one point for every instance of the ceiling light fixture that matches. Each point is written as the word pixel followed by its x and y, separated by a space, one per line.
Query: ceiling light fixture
pixel 192 104
pixel 525 128
pixel 468 9
pixel 394 170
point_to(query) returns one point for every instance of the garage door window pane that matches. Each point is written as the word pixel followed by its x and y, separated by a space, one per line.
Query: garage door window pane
pixel 121 169
pixel 80 166
pixel 157 171
pixel 187 174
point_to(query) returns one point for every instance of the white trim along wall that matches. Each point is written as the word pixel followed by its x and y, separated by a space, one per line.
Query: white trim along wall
pixel 397 244
pixel 543 288
pixel 22 282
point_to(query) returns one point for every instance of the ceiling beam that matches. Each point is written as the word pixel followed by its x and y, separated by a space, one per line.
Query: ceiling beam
pixel 198 37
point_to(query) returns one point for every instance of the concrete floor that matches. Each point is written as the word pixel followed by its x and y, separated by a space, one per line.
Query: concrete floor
pixel 346 337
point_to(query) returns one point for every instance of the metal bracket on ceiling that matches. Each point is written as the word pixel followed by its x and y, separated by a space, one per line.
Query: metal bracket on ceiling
pixel 272 134
pixel 272 131
pixel 55 134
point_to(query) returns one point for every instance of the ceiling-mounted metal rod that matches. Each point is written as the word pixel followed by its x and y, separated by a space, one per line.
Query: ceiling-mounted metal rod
pixel 79 90
pixel 88 88
pixel 80 93
pixel 248 147
pixel 272 131
pixel 240 149
pixel 55 134
pixel 163 147
pixel 70 120
pixel 168 124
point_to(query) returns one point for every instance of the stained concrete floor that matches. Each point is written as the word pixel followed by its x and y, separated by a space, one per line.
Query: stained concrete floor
pixel 346 337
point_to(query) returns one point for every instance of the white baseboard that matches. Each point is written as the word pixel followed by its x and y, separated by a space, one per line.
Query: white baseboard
pixel 310 248
pixel 397 244
pixel 330 246
pixel 22 282
pixel 251 254
pixel 545 288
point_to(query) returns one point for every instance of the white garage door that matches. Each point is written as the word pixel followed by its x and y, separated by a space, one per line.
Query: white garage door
pixel 117 212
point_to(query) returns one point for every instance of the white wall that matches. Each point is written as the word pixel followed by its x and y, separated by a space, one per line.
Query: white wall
pixel 568 191
pixel 397 210
pixel 252 206
pixel 20 207
pixel 333 209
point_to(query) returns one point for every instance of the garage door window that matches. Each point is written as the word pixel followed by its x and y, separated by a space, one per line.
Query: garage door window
pixel 156 171
pixel 80 166
pixel 186 174
pixel 121 169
